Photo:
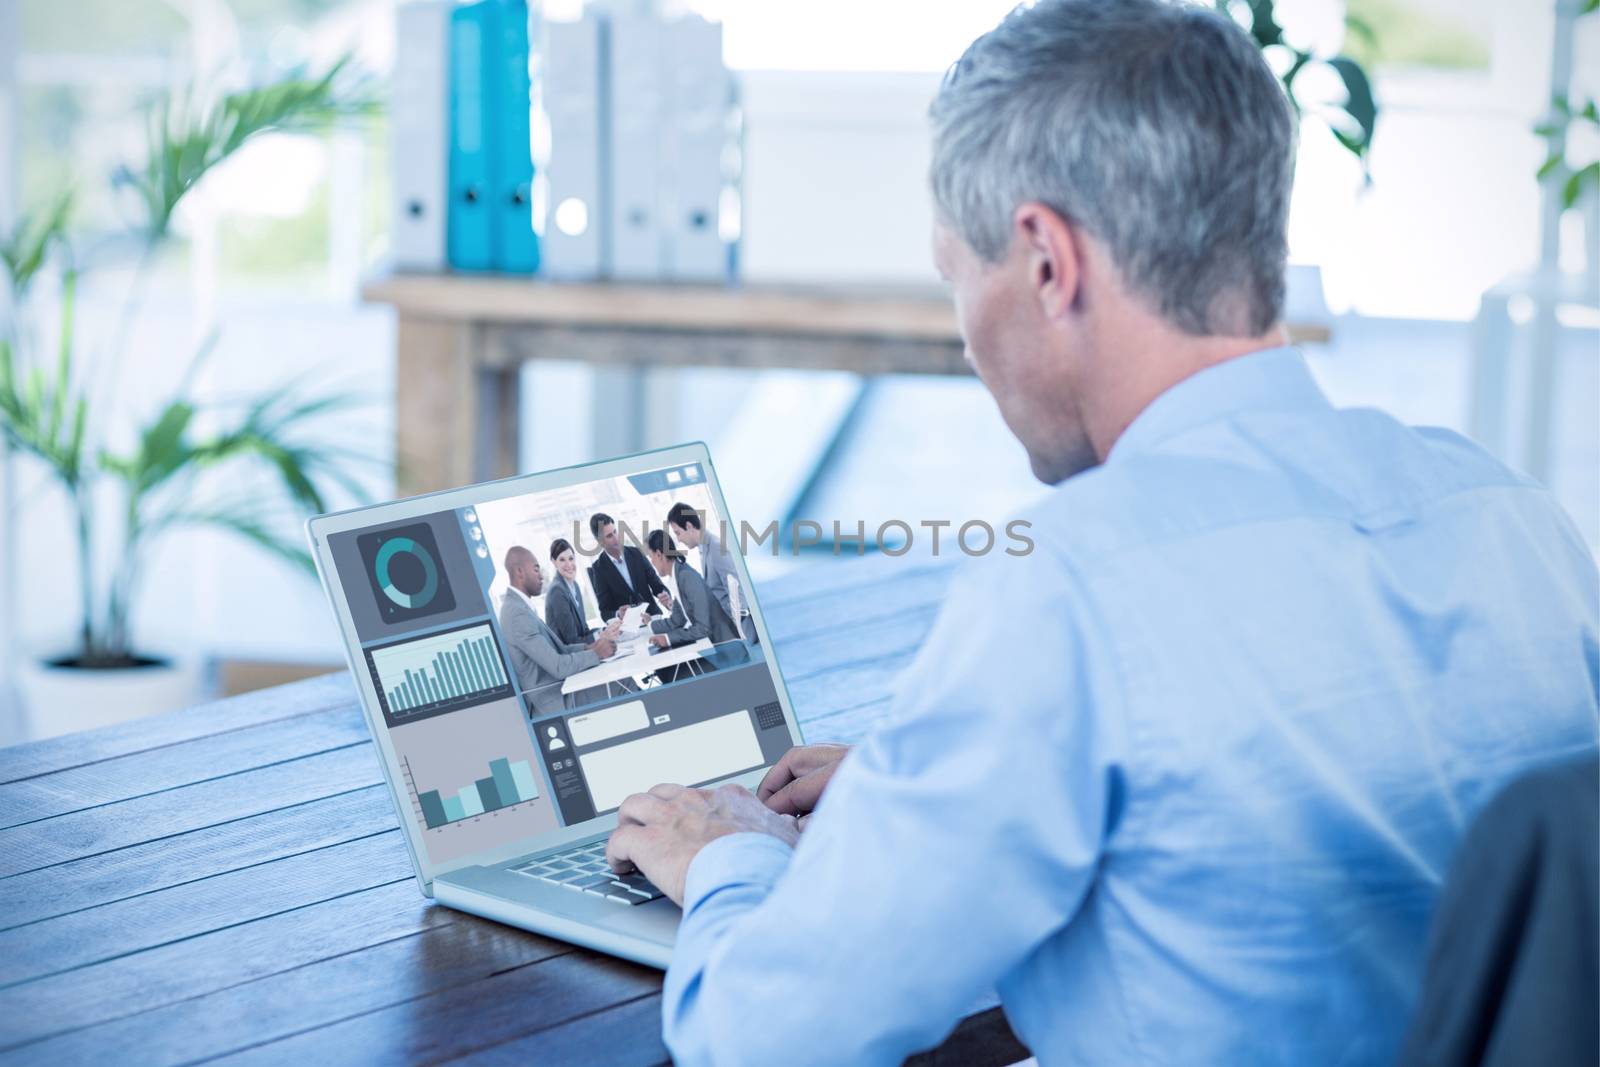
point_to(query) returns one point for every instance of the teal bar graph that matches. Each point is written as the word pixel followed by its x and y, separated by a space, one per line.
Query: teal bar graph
pixel 508 783
pixel 504 784
pixel 522 776
pixel 439 672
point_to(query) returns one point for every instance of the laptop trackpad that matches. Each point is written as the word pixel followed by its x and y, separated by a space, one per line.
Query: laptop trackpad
pixel 657 920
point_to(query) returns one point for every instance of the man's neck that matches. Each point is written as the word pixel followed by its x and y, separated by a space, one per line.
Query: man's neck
pixel 1147 358
pixel 615 556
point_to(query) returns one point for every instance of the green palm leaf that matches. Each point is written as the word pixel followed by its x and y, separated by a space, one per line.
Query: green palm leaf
pixel 252 528
pixel 26 249
pixel 33 407
pixel 187 137
pixel 1572 188
pixel 1360 104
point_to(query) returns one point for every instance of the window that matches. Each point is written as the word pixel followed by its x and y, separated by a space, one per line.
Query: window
pixel 298 213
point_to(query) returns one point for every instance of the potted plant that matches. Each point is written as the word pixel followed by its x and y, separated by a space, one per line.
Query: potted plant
pixel 1352 120
pixel 1312 79
pixel 1576 119
pixel 185 466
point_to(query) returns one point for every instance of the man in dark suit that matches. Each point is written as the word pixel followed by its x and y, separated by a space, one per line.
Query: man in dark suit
pixel 621 575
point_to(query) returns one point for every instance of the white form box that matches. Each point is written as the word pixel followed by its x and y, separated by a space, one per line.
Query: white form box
pixel 689 755
pixel 593 727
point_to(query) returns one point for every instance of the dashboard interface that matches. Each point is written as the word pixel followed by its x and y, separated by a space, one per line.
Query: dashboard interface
pixel 540 657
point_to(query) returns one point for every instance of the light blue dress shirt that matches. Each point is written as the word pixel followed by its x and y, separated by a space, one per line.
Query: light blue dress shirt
pixel 621 563
pixel 1195 809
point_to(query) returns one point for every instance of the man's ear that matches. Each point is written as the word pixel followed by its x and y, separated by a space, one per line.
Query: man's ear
pixel 1052 256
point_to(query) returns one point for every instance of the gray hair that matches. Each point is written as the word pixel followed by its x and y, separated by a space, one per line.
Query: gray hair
pixel 1155 126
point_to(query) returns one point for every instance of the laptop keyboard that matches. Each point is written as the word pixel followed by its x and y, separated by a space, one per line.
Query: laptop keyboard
pixel 586 871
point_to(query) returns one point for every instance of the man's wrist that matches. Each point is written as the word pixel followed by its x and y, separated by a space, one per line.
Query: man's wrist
pixel 745 858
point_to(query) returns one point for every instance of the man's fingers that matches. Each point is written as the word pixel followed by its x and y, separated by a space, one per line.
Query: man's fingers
pixel 798 797
pixel 666 790
pixel 775 780
pixel 622 845
pixel 797 763
pixel 639 809
pixel 783 772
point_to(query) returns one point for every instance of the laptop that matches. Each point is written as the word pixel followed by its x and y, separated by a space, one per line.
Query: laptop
pixel 506 763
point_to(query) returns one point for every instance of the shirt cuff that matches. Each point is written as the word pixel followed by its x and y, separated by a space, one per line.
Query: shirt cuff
pixel 748 858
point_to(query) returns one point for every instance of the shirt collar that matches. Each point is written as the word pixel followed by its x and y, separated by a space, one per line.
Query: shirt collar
pixel 1274 378
pixel 513 591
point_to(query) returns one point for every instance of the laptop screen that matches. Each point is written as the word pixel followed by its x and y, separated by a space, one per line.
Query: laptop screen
pixel 538 657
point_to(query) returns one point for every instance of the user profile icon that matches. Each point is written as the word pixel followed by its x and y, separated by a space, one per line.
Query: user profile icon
pixel 555 741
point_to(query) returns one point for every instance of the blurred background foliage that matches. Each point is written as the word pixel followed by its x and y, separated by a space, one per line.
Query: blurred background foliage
pixel 1404 35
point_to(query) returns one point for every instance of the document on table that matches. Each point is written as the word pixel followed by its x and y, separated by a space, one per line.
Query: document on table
pixel 637 661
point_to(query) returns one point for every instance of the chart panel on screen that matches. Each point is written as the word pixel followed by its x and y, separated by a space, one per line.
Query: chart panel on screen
pixel 438 673
pixel 470 779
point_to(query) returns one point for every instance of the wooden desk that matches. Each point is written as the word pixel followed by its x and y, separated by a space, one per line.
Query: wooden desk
pixel 229 881
pixel 462 339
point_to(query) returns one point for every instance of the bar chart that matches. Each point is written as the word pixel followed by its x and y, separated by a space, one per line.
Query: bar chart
pixel 471 779
pixel 508 784
pixel 437 673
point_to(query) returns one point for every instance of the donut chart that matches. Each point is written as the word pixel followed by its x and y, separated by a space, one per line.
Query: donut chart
pixel 409 576
pixel 382 573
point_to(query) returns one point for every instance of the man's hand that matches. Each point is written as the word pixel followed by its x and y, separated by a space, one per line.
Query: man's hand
pixel 613 628
pixel 661 832
pixel 660 640
pixel 795 783
pixel 604 647
pixel 664 598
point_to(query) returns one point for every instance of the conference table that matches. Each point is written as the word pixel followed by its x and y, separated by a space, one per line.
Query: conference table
pixel 228 882
pixel 634 658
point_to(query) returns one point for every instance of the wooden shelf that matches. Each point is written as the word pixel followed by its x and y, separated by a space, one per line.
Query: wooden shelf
pixel 461 340
pixel 913 313
pixel 917 313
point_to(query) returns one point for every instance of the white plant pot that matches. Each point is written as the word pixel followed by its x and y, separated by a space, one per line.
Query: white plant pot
pixel 63 700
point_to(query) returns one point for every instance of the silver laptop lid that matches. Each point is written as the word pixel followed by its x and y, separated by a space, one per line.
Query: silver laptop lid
pixel 494 741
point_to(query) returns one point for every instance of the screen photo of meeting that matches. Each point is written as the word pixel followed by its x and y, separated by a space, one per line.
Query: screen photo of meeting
pixel 540 657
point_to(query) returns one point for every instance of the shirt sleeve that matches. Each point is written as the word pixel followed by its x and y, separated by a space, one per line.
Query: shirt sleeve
pixel 555 659
pixel 949 845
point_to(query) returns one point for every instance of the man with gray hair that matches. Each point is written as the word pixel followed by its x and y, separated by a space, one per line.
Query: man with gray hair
pixel 1276 654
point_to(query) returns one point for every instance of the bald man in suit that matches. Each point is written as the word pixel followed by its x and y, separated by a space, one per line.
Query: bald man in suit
pixel 540 658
